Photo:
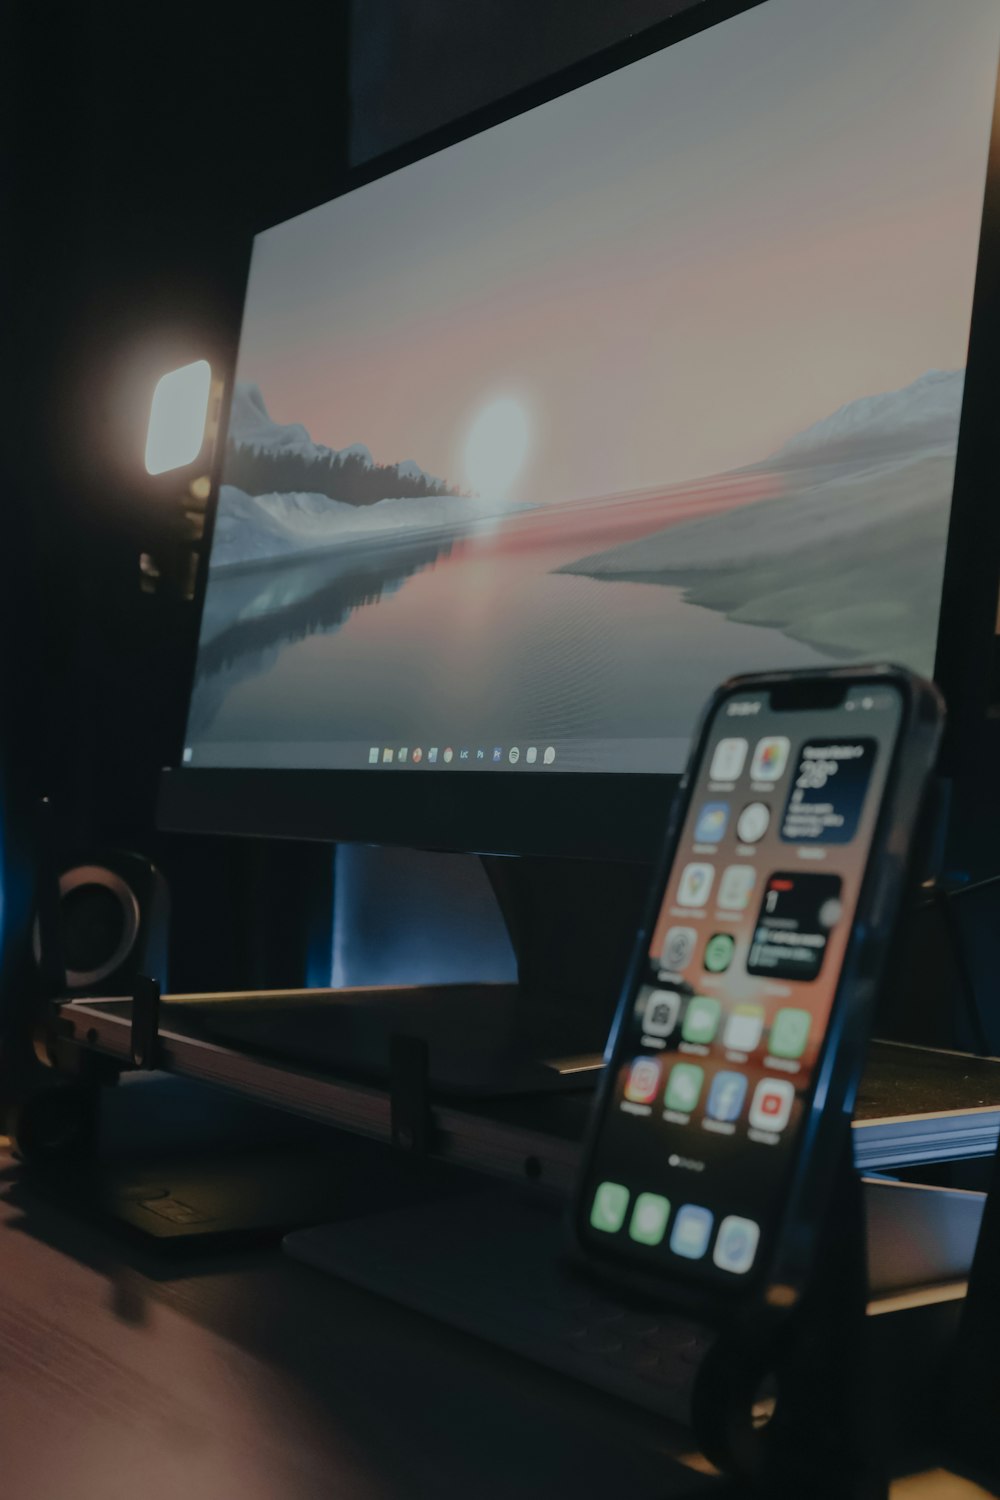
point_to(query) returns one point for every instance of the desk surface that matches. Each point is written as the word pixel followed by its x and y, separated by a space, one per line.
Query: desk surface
pixel 248 1376
pixel 244 1375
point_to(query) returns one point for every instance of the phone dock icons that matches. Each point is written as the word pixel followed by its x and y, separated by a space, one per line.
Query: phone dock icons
pixel 609 1207
pixel 692 1231
pixel 736 1244
pixel 648 1224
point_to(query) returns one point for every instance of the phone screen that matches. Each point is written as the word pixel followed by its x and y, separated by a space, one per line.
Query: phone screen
pixel 716 1058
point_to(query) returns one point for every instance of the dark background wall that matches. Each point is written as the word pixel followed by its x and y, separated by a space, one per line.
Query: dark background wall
pixel 145 149
pixel 416 64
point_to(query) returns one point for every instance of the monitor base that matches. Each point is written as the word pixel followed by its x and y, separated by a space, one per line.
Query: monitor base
pixel 571 927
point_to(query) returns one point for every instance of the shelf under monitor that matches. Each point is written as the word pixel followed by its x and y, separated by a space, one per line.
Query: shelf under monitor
pixel 916 1105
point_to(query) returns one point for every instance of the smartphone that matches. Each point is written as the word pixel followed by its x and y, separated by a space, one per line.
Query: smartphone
pixel 740 1035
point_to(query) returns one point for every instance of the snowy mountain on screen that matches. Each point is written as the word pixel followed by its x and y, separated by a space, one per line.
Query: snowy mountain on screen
pixel 252 426
pixel 925 413
pixel 846 555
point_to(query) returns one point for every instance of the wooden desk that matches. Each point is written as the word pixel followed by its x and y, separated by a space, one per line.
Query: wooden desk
pixel 124 1377
pixel 243 1376
pixel 131 1374
pixel 247 1377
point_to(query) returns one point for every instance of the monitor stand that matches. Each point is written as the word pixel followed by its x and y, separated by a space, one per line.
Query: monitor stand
pixel 571 926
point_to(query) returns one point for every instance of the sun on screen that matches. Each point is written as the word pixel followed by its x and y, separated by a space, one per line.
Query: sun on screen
pixel 496 446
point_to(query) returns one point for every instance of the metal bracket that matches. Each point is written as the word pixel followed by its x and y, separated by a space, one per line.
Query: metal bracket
pixel 409 1097
pixel 144 1039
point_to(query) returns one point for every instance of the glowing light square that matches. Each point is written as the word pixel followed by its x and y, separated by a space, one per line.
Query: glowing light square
pixel 177 417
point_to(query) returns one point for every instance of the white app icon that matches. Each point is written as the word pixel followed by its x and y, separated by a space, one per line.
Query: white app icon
pixel 769 758
pixel 662 1009
pixel 386 757
pixel 549 755
pixel 736 1244
pixel 695 885
pixel 678 948
pixel 735 886
pixel 373 756
pixel 513 755
pixel 531 754
pixel 727 762
pixel 772 1104
pixel 744 1028
pixel 752 823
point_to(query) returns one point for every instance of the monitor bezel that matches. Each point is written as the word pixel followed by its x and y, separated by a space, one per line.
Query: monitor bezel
pixel 608 815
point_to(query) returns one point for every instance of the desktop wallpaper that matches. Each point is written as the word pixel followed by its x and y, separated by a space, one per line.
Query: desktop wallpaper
pixel 536 440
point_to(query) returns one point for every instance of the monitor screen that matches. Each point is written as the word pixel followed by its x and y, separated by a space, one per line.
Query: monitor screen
pixel 536 439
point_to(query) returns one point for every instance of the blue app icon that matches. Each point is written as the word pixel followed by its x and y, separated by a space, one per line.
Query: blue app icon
pixel 712 822
pixel 726 1096
pixel 692 1231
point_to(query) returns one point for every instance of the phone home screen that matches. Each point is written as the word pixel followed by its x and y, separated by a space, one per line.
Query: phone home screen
pixel 715 1062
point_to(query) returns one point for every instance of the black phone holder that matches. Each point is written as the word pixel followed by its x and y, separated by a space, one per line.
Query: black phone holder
pixel 782 1404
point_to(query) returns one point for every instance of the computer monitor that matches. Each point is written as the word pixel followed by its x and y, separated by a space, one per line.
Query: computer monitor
pixel 539 429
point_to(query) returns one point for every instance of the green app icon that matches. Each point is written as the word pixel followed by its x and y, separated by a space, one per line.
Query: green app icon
pixel 701 1020
pixel 610 1204
pixel 684 1087
pixel 789 1033
pixel 648 1224
pixel 719 952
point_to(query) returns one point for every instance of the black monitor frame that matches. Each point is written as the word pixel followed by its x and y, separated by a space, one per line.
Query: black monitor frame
pixel 610 816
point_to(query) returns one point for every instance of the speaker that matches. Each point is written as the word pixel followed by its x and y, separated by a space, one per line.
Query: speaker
pixel 111 923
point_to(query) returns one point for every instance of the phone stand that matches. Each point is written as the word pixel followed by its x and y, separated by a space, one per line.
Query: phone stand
pixel 973 1402
pixel 810 1367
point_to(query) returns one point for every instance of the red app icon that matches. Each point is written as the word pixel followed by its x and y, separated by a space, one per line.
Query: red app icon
pixel 643 1082
pixel 772 1104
